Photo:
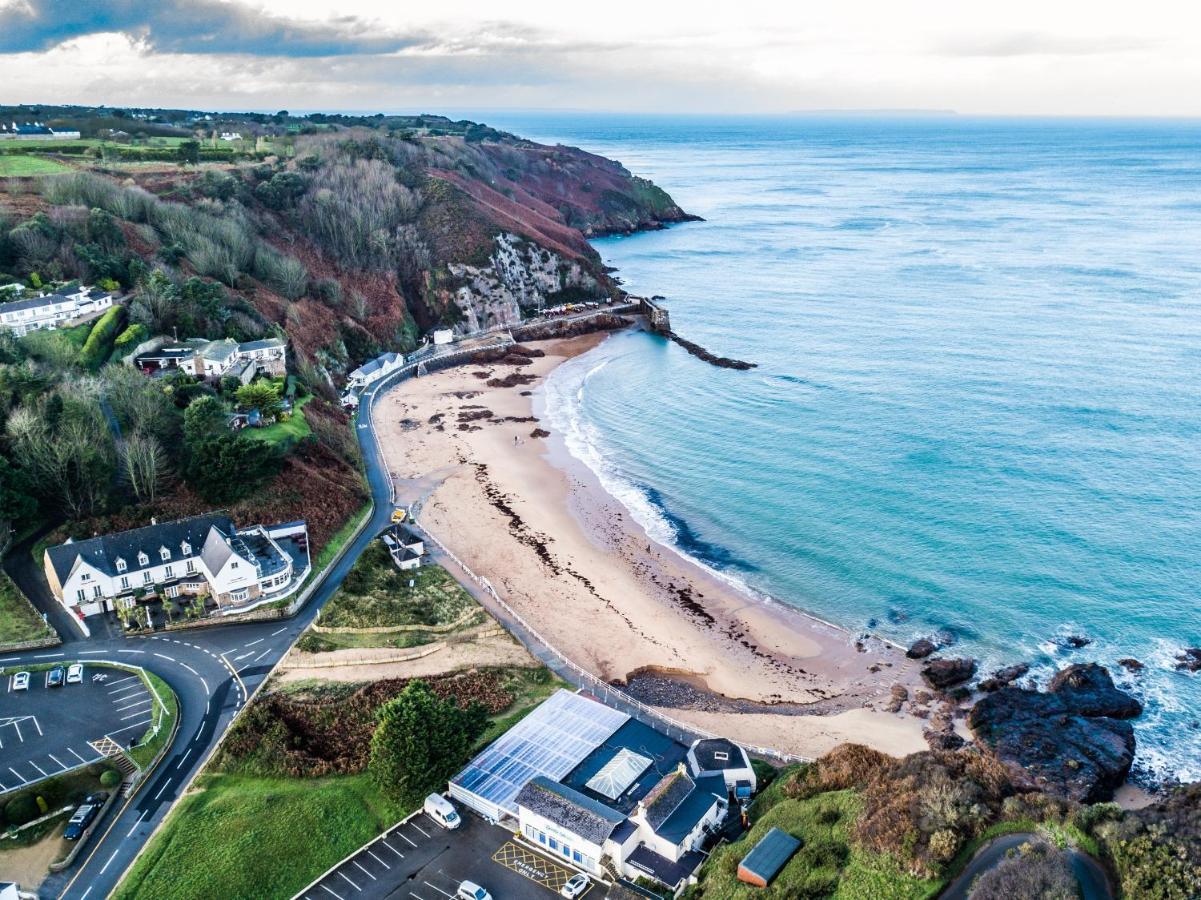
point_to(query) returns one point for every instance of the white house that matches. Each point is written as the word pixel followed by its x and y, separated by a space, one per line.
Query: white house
pixel 216 359
pixel 443 336
pixel 600 791
pixel 231 136
pixel 718 756
pixel 374 370
pixel 51 310
pixel 405 547
pixel 201 555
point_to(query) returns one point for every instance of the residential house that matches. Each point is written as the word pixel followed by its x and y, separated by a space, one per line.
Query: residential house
pixel 202 555
pixel 48 311
pixel 405 547
pixel 599 791
pixel 213 360
pixel 34 131
pixel 374 370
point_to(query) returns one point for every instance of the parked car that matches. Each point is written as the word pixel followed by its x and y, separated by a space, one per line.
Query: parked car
pixel 21 681
pixel 469 890
pixel 442 811
pixel 575 887
pixel 75 673
pixel 56 676
pixel 83 816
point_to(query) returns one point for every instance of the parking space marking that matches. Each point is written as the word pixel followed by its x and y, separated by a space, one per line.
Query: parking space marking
pixel 393 849
pixel 134 715
pixel 76 755
pixel 351 883
pixel 56 759
pixel 364 871
pixel 133 705
pixel 378 860
pixel 128 727
pixel 411 843
pixel 438 889
pixel 339 896
pixel 127 677
pixel 15 772
pixel 39 768
pixel 534 866
pixel 419 828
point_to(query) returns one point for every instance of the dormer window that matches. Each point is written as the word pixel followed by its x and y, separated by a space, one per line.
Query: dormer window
pixel 164 553
pixel 143 559
pixel 121 566
pixel 721 756
pixel 185 548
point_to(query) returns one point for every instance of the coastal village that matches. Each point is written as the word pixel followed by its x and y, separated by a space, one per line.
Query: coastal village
pixel 482 678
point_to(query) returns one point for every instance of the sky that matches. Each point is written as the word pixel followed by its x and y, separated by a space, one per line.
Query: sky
pixel 1018 57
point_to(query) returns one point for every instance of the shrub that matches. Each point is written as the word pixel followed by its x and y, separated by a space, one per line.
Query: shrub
pixel 100 340
pixel 1036 870
pixel 21 809
pixel 110 778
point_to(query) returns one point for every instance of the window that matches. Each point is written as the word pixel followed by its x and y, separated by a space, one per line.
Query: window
pixel 541 838
pixel 554 844
pixel 233 565
pixel 577 856
pixel 85 577
pixel 164 553
pixel 146 577
pixel 80 595
pixel 124 582
pixel 185 548
pixel 170 571
pixel 721 756
pixel 121 566
pixel 239 595
pixel 567 851
pixel 173 591
pixel 96 591
pixel 191 567
pixel 143 559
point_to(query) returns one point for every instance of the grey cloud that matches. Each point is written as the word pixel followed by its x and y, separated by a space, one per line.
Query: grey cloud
pixel 192 26
pixel 1035 44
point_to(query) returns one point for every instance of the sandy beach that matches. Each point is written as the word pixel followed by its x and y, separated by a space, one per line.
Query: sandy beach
pixel 569 558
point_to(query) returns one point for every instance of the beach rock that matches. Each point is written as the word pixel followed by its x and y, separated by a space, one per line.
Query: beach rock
pixel 1004 677
pixel 1189 660
pixel 539 433
pixel 1130 664
pixel 922 697
pixel 943 740
pixel 921 648
pixel 1074 642
pixel 941 674
pixel 1091 692
pixel 899 694
pixel 1071 741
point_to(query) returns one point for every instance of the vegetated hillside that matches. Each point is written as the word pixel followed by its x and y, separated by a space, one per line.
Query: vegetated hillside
pixel 345 241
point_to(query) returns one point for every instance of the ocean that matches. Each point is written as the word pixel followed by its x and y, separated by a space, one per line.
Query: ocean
pixel 977 407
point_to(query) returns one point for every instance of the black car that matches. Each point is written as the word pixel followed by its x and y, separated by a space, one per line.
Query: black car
pixel 56 677
pixel 84 815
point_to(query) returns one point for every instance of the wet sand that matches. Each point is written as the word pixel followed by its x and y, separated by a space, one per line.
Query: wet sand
pixel 570 559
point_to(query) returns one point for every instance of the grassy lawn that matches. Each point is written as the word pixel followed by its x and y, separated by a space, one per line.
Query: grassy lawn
pixel 242 836
pixel 340 538
pixel 25 165
pixel 376 594
pixel 826 865
pixel 19 621
pixel 287 432
pixel 152 741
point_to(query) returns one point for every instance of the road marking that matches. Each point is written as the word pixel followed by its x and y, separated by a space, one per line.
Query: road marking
pixel 38 727
pixel 393 849
pixel 132 705
pixel 49 655
pixel 184 758
pixel 165 656
pixel 419 828
pixel 131 651
pixel 411 843
pixel 39 768
pixel 339 896
pixel 190 669
pixel 110 859
pixel 56 759
pixel 76 755
pixel 261 655
pixel 206 685
pixel 90 653
pixel 166 784
pixel 364 871
pixel 128 728
pixel 438 889
pixel 85 893
pixel 351 883
pixel 252 643
pixel 15 772
pixel 378 860
pixel 281 631
pixel 122 680
pixel 132 715
pixel 243 656
pixel 136 824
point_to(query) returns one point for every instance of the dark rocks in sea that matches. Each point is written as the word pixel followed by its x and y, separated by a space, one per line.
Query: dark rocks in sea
pixel 722 362
pixel 1189 660
pixel 1004 677
pixel 1074 642
pixel 921 648
pixel 1130 664
pixel 1071 741
pixel 539 433
pixel 941 674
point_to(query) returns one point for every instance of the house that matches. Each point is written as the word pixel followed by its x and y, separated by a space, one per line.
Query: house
pixel 767 858
pixel 405 547
pixel 202 555
pixel 231 136
pixel 599 790
pixel 443 336
pixel 374 370
pixel 49 311
pixel 718 756
pixel 34 131
pixel 213 360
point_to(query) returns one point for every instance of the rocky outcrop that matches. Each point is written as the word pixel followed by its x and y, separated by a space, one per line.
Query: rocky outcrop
pixel 1189 660
pixel 1130 664
pixel 942 674
pixel 1004 677
pixel 921 648
pixel 1072 740
pixel 1074 641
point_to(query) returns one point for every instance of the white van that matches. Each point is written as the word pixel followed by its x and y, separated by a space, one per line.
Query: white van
pixel 442 811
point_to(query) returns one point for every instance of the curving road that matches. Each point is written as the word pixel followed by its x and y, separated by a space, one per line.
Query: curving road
pixel 213 670
pixel 1090 877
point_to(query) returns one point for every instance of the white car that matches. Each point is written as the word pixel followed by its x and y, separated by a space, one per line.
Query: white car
pixel 21 681
pixel 575 887
pixel 75 673
pixel 469 890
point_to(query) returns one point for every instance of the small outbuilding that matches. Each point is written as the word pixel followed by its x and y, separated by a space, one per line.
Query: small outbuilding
pixel 767 858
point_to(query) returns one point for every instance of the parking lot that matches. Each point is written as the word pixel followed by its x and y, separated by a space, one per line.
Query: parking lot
pixel 420 860
pixel 44 731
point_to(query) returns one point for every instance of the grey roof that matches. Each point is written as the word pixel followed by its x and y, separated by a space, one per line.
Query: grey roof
pixel 264 344
pixel 220 350
pixel 706 751
pixel 372 366
pixel 102 552
pixel 569 809
pixel 31 303
pixel 170 351
pixel 708 789
pixel 768 856
pixel 669 793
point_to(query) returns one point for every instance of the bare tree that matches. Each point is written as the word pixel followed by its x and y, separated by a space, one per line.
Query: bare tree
pixel 145 465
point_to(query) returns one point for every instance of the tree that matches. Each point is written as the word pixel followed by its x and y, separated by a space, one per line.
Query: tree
pixel 420 741
pixel 144 462
pixel 188 152
pixel 262 395
pixel 226 467
pixel 204 418
pixel 16 499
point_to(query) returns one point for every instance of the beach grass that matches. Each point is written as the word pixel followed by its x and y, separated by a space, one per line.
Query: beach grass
pixel 19 621
pixel 25 165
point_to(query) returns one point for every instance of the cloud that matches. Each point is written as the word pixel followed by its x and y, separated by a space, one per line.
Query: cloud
pixel 193 27
pixel 1035 44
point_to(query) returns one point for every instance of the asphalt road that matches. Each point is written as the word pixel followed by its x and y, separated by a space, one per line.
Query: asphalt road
pixel 213 671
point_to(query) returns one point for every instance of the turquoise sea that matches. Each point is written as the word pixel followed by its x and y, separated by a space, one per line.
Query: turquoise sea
pixel 978 401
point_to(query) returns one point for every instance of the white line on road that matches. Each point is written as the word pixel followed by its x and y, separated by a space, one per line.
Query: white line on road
pixel 145 721
pixel 252 643
pixel 85 893
pixel 438 889
pixel 76 755
pixel 90 653
pixel 38 727
pixel 261 655
pixel 393 849
pixel 351 883
pixel 49 655
pixel 131 651
pixel 15 772
pixel 137 823
pixel 56 759
pixel 132 705
pixel 419 828
pixel 190 669
pixel 134 715
pixel 166 784
pixel 110 859
pixel 165 656
pixel 184 758
pixel 243 656
pixel 378 860
pixel 364 871
pixel 206 685
pixel 39 768
pixel 411 844
pixel 281 631
pixel 339 896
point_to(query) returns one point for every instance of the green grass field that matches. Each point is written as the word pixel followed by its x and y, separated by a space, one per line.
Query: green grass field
pixel 152 741
pixel 240 836
pixel 287 432
pixel 22 164
pixel 19 621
